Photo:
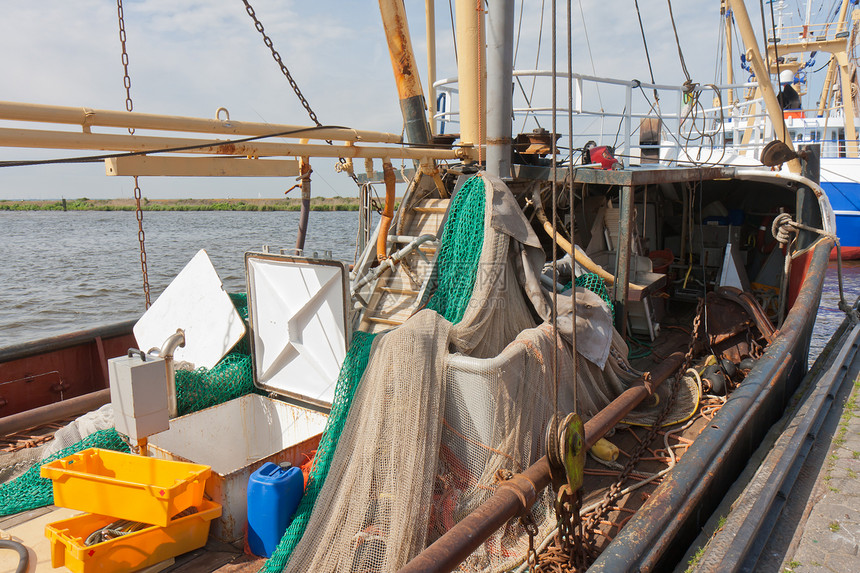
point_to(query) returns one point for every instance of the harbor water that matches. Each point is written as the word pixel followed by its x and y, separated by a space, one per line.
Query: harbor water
pixel 66 271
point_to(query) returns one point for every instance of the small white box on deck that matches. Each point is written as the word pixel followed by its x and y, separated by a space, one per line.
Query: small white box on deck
pixel 138 392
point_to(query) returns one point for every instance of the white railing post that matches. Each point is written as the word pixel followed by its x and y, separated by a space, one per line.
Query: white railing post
pixel 627 123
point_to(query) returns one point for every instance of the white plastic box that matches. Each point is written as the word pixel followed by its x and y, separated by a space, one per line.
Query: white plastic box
pixel 138 393
pixel 235 438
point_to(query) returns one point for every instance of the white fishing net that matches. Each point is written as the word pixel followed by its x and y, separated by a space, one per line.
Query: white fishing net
pixel 441 409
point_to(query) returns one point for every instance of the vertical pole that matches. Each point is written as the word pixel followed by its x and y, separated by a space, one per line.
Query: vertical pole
pixel 847 104
pixel 430 16
pixel 622 266
pixel 405 71
pixel 762 74
pixel 305 175
pixel 628 128
pixel 500 61
pixel 471 72
pixel 730 69
pixel 831 67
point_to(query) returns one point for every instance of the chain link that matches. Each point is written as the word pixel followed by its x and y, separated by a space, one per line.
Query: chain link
pixel 277 57
pixel 129 105
pixel 528 523
pixel 269 44
pixel 615 489
pixel 141 236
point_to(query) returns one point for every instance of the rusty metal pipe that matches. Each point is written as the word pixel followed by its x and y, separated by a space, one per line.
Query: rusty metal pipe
pixel 605 420
pixel 515 496
pixel 387 211
pixel 305 176
pixel 405 71
pixel 53 412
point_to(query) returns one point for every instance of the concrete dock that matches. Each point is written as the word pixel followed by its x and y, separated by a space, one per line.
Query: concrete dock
pixel 807 518
pixel 828 536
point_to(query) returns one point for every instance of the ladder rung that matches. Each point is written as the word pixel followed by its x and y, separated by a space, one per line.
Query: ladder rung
pixel 396 290
pixel 380 320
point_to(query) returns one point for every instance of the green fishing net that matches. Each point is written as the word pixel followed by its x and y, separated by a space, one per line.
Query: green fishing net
pixel 350 374
pixel 595 284
pixel 457 263
pixel 231 378
pixel 460 251
pixel 29 490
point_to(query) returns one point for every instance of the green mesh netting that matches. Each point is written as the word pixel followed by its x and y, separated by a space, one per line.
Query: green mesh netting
pixel 354 364
pixel 459 251
pixel 457 264
pixel 231 378
pixel 29 490
pixel 595 284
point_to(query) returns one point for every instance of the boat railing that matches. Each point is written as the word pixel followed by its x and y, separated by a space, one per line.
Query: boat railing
pixel 709 125
pixel 809 33
pixel 707 117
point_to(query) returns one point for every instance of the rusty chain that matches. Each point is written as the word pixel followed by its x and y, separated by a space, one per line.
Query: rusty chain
pixel 129 106
pixel 269 44
pixel 305 104
pixel 528 523
pixel 141 237
pixel 614 490
pixel 573 549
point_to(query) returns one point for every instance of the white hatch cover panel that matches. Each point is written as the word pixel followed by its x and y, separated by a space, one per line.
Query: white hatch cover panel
pixel 297 313
pixel 196 303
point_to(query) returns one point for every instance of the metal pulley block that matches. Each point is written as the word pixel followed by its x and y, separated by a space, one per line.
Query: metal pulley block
pixel 565 450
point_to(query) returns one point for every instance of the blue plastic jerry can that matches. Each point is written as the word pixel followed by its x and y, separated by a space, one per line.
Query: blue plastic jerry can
pixel 274 493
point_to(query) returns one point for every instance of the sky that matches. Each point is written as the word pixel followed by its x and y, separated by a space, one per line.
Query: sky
pixel 190 57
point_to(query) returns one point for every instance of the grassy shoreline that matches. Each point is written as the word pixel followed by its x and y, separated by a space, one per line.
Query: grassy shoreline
pixel 85 204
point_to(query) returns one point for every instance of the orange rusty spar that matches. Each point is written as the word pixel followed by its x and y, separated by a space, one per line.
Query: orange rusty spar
pixel 387 211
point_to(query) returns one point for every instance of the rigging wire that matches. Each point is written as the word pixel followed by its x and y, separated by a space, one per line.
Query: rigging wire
pixel 764 35
pixel 678 43
pixel 647 53
pixel 453 30
pixel 778 71
pixel 719 65
pixel 571 173
pixel 529 97
pixel 590 56
pixel 554 170
pixel 516 51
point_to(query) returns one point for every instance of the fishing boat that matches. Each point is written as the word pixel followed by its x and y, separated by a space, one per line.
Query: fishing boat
pixel 545 353
pixel 740 120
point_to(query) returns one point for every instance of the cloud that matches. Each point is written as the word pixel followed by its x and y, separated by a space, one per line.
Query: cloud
pixel 192 57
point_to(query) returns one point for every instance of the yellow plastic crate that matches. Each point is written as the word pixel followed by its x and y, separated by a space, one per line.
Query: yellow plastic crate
pixel 129 552
pixel 126 486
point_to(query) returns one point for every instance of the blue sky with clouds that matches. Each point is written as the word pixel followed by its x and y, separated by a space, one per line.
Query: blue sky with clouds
pixel 191 57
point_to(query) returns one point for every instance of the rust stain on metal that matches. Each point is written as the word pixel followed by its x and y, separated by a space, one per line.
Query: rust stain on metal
pixel 227 149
